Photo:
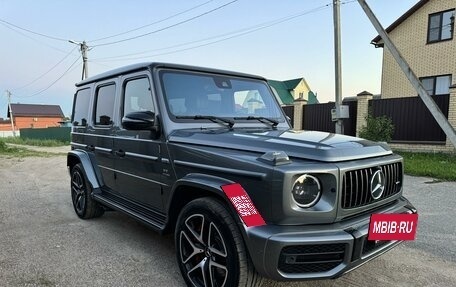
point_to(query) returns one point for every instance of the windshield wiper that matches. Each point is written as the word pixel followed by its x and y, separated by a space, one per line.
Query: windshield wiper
pixel 270 121
pixel 214 119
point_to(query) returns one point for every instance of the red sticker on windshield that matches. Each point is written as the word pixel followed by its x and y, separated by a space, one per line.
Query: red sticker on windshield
pixel 243 204
pixel 393 226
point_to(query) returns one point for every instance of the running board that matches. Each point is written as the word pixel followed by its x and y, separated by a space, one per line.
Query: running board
pixel 155 219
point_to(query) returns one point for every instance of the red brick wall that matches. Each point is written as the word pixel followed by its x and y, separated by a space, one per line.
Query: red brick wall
pixel 32 122
pixel 5 126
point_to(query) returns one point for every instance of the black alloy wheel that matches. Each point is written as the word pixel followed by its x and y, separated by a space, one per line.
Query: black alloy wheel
pixel 210 248
pixel 84 206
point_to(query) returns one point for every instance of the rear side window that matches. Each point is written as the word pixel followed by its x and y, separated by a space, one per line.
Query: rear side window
pixel 104 105
pixel 137 96
pixel 81 107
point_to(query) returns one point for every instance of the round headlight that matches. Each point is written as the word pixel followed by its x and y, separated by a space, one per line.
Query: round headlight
pixel 306 190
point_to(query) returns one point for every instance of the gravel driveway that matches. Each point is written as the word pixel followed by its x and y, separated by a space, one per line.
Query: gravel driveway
pixel 43 242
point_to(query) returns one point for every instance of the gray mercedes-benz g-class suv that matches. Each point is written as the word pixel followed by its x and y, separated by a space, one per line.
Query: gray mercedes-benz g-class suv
pixel 211 156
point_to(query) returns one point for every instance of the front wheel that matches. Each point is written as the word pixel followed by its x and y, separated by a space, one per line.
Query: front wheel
pixel 210 248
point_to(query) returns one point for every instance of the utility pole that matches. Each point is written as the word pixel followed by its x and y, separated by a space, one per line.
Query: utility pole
pixel 416 83
pixel 8 95
pixel 338 70
pixel 83 48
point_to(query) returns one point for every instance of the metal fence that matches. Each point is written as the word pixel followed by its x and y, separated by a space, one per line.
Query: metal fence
pixel 289 111
pixel 413 123
pixel 54 133
pixel 317 117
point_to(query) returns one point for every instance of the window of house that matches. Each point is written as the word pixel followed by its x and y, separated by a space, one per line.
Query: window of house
pixel 104 105
pixel 137 96
pixel 440 26
pixel 81 107
pixel 437 85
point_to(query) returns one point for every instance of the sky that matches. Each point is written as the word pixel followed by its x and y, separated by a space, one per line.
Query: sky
pixel 278 40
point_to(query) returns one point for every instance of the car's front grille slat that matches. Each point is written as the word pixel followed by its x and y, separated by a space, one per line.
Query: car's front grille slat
pixel 356 185
pixel 366 193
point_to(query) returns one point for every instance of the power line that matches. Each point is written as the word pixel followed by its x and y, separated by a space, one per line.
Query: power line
pixel 47 72
pixel 53 83
pixel 33 32
pixel 100 64
pixel 168 27
pixel 229 35
pixel 153 23
pixel 237 33
pixel 27 36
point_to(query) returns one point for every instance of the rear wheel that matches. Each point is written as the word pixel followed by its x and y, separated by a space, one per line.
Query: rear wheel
pixel 84 206
pixel 210 248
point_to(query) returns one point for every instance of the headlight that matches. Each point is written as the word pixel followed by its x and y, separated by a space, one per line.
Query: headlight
pixel 306 191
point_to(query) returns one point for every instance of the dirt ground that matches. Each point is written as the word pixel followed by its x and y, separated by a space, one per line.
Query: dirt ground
pixel 43 242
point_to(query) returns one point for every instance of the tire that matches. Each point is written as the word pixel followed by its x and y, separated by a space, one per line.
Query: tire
pixel 209 247
pixel 83 204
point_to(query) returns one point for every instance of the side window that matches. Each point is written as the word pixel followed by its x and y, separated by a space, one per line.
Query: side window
pixel 104 105
pixel 137 96
pixel 81 107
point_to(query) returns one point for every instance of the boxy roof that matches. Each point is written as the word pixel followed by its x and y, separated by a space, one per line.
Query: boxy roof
pixel 153 65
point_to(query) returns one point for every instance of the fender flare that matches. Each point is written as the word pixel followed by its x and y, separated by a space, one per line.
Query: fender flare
pixel 82 157
pixel 209 184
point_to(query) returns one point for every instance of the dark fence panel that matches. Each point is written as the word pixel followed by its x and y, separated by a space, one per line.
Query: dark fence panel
pixel 350 123
pixel 289 111
pixel 317 117
pixel 412 120
pixel 54 133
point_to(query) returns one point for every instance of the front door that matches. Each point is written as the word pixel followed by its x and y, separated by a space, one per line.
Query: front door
pixel 138 164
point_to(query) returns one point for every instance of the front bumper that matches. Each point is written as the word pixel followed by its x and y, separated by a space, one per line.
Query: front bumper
pixel 317 251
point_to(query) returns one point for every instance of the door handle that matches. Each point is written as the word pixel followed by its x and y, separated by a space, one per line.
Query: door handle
pixel 120 153
pixel 90 147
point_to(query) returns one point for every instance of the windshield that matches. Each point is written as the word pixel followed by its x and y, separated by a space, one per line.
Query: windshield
pixel 190 94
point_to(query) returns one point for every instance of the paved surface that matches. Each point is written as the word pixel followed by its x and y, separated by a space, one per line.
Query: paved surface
pixel 43 243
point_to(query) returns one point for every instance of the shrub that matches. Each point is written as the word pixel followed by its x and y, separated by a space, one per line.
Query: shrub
pixel 3 146
pixel 377 128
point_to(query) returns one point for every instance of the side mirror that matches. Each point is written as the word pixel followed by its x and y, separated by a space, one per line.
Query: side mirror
pixel 139 121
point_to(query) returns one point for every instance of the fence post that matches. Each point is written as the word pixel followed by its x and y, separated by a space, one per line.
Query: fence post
pixel 362 108
pixel 452 114
pixel 298 114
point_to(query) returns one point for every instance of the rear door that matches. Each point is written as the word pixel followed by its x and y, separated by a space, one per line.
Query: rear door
pixel 138 164
pixel 99 135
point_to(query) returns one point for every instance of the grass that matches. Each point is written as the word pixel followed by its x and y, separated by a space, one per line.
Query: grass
pixel 20 152
pixel 436 165
pixel 35 142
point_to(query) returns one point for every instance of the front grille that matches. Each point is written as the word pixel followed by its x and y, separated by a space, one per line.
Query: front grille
pixel 311 258
pixel 372 245
pixel 356 184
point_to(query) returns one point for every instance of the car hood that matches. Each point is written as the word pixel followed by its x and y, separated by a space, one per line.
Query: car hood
pixel 313 145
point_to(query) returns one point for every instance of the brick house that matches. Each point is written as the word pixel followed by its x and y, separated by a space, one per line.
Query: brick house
pixel 424 36
pixel 32 116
